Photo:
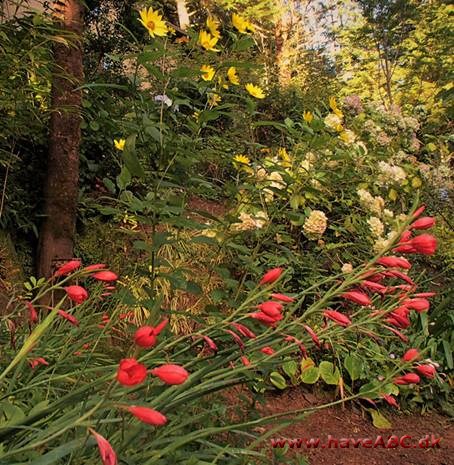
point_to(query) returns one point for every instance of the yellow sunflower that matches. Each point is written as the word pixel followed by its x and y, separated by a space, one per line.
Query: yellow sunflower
pixel 233 76
pixel 255 91
pixel 308 116
pixel 213 26
pixel 241 24
pixel 153 22
pixel 334 107
pixel 241 160
pixel 207 72
pixel 214 99
pixel 119 144
pixel 207 41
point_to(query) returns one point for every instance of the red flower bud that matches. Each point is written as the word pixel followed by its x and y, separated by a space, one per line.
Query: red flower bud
pixel 106 451
pixel 148 415
pixel 95 267
pixel 283 298
pixel 399 274
pixel 426 222
pixel 145 337
pixel 312 334
pixel 425 294
pixel 420 305
pixel 77 294
pixel 243 330
pixel 105 275
pixel 409 378
pixel 401 336
pixel 394 262
pixel 267 350
pixel 245 361
pixel 171 374
pixel 67 268
pixel 337 317
pixel 236 338
pixel 271 276
pixel 38 361
pixel 270 308
pixel 358 297
pixel 211 344
pixel 373 286
pixel 419 211
pixel 411 355
pixel 390 400
pixel 32 313
pixel 265 319
pixel 67 316
pixel 426 370
pixel 131 372
pixel 406 236
pixel 425 244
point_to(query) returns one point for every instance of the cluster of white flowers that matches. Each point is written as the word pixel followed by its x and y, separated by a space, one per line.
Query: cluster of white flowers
pixel 315 225
pixel 376 226
pixel 249 222
pixel 391 173
pixel 382 243
pixel 368 201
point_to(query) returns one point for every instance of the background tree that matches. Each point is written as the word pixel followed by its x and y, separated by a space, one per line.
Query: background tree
pixel 56 239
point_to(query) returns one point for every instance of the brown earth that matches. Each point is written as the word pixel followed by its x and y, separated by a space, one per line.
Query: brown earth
pixel 354 422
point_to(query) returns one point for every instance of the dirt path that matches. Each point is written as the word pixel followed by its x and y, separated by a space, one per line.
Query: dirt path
pixel 353 422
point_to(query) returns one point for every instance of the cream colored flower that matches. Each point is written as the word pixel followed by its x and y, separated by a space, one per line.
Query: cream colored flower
pixel 347 268
pixel 315 225
pixel 334 122
pixel 347 136
pixel 376 226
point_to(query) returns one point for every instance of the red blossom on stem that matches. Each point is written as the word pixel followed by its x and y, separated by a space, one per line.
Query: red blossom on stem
pixel 77 294
pixel 243 330
pixel 409 378
pixel 283 298
pixel 108 455
pixel 394 262
pixel 426 370
pixel 147 415
pixel 358 297
pixel 67 268
pixel 131 372
pixel 32 313
pixel 38 361
pixel 171 374
pixel 270 308
pixel 271 276
pixel 105 275
pixel 411 355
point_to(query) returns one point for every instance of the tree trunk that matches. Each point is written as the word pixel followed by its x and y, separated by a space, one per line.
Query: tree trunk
pixel 183 15
pixel 283 51
pixel 61 188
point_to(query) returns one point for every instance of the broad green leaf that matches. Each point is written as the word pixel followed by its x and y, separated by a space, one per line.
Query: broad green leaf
pixel 278 380
pixel 124 178
pixel 310 375
pixel 379 420
pixel 354 365
pixel 329 373
pixel 290 368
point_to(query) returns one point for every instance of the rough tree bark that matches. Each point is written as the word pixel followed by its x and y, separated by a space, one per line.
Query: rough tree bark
pixel 283 51
pixel 56 239
pixel 183 15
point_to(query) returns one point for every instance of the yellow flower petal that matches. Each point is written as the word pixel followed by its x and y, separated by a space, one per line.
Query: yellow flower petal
pixel 255 91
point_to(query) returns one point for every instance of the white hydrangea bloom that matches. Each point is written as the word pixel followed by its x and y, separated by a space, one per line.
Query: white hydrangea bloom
pixel 315 225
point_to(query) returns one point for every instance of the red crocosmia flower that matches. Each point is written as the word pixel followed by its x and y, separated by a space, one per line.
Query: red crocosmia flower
pixel 145 337
pixel 337 317
pixel 426 370
pixel 67 316
pixel 401 336
pixel 419 211
pixel 148 415
pixel 271 276
pixel 411 355
pixel 236 338
pixel 105 275
pixel 399 274
pixel 245 361
pixel 265 319
pixel 38 361
pixel 425 294
pixel 67 268
pixel 390 400
pixel 312 334
pixel 243 330
pixel 409 378
pixel 399 318
pixel 108 455
pixel 131 372
pixel 77 294
pixel 426 222
pixel 406 236
pixel 394 262
pixel 211 344
pixel 297 341
pixel 32 313
pixel 267 350
pixel 95 267
pixel 358 297
pixel 425 244
pixel 372 286
pixel 171 374
pixel 109 288
pixel 270 308
pixel 420 305
pixel 405 248
pixel 283 298
pixel 376 277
